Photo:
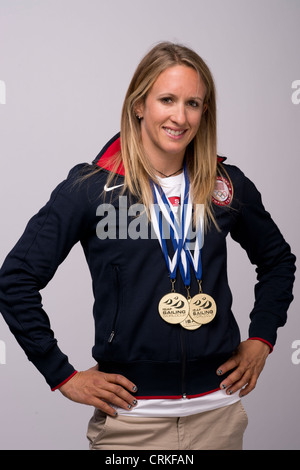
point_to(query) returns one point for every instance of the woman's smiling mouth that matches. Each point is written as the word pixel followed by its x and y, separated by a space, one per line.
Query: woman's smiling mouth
pixel 173 132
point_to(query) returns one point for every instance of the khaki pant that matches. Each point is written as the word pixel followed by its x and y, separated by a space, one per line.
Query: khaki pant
pixel 220 429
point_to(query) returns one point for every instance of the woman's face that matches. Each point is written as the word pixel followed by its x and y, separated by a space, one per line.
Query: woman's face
pixel 172 113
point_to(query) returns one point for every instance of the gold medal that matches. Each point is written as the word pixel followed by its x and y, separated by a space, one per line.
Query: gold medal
pixel 190 324
pixel 173 308
pixel 203 308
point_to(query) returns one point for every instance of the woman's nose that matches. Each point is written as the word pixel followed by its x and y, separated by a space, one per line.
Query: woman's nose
pixel 179 114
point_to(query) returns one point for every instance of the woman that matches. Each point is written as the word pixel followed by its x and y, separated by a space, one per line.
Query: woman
pixel 171 367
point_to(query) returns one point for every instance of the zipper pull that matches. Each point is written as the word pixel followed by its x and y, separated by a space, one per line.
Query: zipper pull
pixel 111 337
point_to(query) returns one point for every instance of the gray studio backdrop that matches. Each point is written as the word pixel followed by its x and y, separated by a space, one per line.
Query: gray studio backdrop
pixel 64 68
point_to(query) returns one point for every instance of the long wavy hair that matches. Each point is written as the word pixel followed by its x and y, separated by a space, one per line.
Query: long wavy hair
pixel 201 154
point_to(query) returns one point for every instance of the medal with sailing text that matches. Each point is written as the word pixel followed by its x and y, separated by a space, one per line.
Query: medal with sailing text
pixel 203 308
pixel 173 308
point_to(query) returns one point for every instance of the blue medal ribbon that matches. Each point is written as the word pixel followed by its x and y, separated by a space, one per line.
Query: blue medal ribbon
pixel 178 232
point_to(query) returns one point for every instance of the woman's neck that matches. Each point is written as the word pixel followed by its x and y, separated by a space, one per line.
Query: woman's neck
pixel 166 167
pixel 163 175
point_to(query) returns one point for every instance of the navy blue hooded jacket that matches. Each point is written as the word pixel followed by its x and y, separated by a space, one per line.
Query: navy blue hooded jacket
pixel 129 278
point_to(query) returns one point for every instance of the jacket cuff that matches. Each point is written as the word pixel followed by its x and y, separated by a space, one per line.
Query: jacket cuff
pixel 65 381
pixel 54 366
pixel 264 341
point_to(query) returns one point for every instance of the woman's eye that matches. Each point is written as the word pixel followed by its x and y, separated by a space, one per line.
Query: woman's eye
pixel 166 100
pixel 169 100
pixel 194 104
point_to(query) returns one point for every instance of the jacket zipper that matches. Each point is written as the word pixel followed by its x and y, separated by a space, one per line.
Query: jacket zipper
pixel 183 369
pixel 117 279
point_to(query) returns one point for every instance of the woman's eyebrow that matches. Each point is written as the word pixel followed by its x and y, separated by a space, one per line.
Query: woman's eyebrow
pixel 172 95
pixel 196 98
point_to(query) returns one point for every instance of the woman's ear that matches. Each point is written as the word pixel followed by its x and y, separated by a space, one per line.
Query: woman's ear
pixel 138 110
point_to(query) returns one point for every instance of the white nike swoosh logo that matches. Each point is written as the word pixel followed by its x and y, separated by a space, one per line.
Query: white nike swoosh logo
pixel 112 187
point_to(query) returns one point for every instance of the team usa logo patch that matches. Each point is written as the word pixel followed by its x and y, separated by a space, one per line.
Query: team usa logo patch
pixel 222 195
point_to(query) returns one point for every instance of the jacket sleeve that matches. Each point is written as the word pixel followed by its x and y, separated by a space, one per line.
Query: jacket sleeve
pixel 275 264
pixel 46 241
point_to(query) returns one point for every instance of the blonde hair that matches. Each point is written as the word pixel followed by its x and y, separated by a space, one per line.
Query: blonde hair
pixel 201 154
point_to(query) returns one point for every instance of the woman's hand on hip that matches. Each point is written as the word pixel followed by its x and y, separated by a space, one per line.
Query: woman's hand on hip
pixel 246 365
pixel 101 390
